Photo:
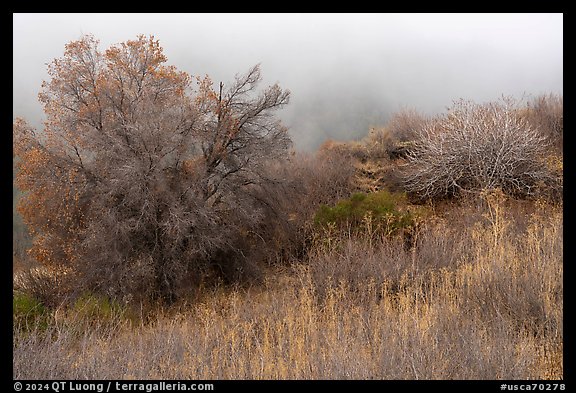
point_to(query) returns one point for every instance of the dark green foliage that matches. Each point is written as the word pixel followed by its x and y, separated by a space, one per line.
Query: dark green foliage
pixel 382 211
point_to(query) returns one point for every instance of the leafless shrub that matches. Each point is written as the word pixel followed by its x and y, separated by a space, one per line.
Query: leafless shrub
pixel 48 286
pixel 306 182
pixel 546 112
pixel 475 147
pixel 341 256
pixel 326 177
pixel 405 124
pixel 394 139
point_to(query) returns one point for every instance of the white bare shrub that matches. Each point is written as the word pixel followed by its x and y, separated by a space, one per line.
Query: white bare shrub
pixel 475 147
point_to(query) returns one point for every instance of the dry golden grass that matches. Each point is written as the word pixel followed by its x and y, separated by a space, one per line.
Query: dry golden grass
pixel 482 301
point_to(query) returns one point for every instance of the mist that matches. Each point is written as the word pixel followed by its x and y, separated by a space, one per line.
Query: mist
pixel 346 72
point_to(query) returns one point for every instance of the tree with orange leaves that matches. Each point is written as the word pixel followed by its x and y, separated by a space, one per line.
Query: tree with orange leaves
pixel 139 184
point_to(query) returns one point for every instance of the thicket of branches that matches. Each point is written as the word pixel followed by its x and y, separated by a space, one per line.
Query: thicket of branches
pixel 140 184
pixel 394 139
pixel 477 147
pixel 546 112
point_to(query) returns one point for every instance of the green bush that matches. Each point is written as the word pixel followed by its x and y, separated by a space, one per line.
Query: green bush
pixel 28 312
pixel 381 211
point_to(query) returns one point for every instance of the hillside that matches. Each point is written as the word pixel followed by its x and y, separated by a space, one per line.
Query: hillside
pixel 356 276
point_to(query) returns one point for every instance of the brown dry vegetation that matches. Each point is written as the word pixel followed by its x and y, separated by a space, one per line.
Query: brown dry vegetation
pixel 477 298
pixel 224 261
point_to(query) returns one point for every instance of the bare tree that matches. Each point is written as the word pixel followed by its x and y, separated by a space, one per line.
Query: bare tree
pixel 139 183
pixel 474 147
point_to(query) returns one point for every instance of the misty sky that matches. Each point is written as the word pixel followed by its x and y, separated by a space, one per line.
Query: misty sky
pixel 346 72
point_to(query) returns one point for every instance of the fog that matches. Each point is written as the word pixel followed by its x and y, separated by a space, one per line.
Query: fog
pixel 346 72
